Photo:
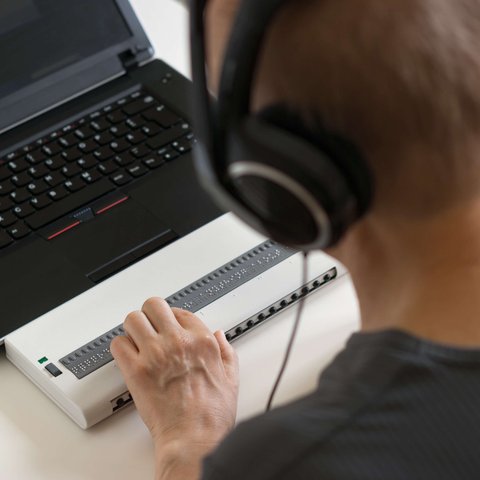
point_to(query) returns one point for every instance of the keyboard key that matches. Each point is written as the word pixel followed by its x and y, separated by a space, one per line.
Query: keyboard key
pixel 135 122
pixel 55 163
pixel 19 230
pixel 183 145
pixel 54 178
pixel 120 145
pixel 154 162
pixel 138 106
pixel 137 170
pixel 41 201
pixel 5 240
pixel 72 154
pixel 124 159
pixel 19 165
pixel 58 193
pixel 7 219
pixel 121 178
pixel 52 149
pixel 38 171
pixel 151 129
pixel 84 132
pixel 116 117
pixel 35 157
pixel 69 140
pixel 20 195
pixel 87 162
pixel 38 186
pixel 21 179
pixel 168 154
pixel 104 153
pixel 4 173
pixel 11 156
pixel 120 130
pixel 161 115
pixel 104 138
pixel 136 137
pixel 23 210
pixel 140 151
pixel 88 146
pixel 91 176
pixel 71 170
pixel 70 203
pixel 74 184
pixel 99 125
pixel 6 203
pixel 168 136
pixel 6 187
pixel 108 167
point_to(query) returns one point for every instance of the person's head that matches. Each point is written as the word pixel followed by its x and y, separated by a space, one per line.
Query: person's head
pixel 400 79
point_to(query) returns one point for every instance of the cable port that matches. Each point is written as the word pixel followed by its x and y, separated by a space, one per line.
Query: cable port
pixel 121 401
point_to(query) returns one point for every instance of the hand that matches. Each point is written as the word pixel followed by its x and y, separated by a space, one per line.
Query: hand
pixel 183 380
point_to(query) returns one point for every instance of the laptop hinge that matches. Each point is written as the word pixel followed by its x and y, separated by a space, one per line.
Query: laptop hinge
pixel 132 57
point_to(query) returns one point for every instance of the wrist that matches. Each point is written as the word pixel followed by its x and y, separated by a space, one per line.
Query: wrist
pixel 180 460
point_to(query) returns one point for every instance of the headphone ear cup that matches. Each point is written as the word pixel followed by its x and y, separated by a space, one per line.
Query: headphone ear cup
pixel 343 154
pixel 288 180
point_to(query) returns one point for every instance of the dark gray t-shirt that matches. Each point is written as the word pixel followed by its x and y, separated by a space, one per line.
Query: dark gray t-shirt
pixel 389 407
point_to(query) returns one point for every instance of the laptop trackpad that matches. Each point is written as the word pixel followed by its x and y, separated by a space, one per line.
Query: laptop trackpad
pixel 112 241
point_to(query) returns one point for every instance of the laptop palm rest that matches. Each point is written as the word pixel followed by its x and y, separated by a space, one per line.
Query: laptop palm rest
pixel 107 243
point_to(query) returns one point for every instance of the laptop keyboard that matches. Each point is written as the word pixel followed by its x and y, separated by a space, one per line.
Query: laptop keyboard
pixel 85 160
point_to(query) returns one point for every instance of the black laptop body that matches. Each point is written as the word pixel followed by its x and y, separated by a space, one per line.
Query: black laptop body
pixel 95 164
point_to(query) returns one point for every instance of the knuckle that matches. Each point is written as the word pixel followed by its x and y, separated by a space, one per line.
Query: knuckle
pixel 206 342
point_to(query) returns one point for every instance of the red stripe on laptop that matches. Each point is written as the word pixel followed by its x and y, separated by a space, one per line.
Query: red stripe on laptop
pixel 66 229
pixel 114 204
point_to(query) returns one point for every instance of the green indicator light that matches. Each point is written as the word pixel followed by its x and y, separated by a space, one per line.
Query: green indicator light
pixel 43 360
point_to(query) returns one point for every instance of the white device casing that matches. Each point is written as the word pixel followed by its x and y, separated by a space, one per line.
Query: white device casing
pixel 98 310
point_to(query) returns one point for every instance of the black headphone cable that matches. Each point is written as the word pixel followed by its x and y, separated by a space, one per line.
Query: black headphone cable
pixel 293 335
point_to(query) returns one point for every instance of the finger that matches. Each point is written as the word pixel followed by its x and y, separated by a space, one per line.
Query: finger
pixel 160 315
pixel 124 352
pixel 229 356
pixel 138 328
pixel 190 321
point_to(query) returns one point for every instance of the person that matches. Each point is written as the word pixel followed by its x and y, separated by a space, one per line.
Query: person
pixel 401 80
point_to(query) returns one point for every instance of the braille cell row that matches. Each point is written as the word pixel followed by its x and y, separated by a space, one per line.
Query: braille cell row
pixel 193 298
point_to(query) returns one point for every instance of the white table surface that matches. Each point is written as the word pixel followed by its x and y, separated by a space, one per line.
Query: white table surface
pixel 37 441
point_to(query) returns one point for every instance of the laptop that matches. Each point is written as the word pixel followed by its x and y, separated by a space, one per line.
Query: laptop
pixel 95 163
pixel 100 207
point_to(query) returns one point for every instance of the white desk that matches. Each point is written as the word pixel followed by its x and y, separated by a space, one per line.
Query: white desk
pixel 37 441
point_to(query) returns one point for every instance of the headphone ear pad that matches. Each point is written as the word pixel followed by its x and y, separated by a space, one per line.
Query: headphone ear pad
pixel 343 155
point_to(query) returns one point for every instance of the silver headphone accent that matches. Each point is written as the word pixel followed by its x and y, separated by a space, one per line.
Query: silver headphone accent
pixel 242 169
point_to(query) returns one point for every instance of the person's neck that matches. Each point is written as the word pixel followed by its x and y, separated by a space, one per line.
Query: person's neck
pixel 420 276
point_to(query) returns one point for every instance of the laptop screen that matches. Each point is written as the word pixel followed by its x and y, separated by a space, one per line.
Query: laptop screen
pixel 41 37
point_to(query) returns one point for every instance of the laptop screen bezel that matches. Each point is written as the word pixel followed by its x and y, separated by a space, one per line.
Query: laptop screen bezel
pixel 72 81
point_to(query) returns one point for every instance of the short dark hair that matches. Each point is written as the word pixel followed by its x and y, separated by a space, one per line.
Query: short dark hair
pixel 400 78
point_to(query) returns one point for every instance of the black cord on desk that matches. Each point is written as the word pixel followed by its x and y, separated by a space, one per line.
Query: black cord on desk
pixel 292 336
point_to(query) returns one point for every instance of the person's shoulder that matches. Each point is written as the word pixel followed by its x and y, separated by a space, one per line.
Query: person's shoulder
pixel 266 445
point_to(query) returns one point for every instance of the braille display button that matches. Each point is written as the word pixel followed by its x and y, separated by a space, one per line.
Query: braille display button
pixel 51 368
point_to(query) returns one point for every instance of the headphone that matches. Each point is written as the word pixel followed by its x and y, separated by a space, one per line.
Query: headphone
pixel 300 187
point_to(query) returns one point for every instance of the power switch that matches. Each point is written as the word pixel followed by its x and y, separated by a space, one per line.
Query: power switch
pixel 53 370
